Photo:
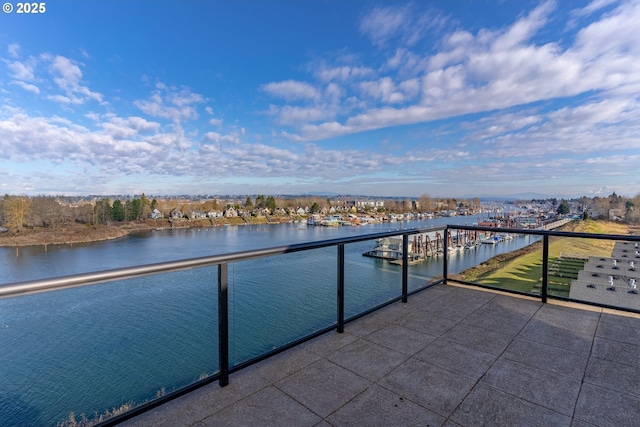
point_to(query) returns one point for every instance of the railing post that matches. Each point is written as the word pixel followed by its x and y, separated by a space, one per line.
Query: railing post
pixel 223 322
pixel 445 253
pixel 340 290
pixel 405 266
pixel 545 267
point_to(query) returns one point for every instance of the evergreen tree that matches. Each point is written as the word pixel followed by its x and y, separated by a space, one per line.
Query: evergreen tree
pixel 118 210
pixel 133 209
pixel 103 212
pixel 563 208
pixel 271 203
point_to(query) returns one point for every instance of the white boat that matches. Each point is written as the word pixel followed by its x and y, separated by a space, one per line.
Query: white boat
pixel 491 240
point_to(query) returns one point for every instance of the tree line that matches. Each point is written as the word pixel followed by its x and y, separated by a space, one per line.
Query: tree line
pixel 17 212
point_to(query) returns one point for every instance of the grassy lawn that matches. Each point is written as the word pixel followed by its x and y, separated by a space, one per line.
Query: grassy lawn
pixel 522 270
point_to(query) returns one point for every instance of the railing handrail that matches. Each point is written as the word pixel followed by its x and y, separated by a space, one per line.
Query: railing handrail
pixel 83 279
pixel 536 232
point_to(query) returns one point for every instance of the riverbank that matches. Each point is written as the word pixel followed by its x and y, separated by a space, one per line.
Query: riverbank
pixel 86 233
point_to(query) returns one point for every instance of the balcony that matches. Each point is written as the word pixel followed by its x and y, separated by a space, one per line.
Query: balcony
pixel 450 355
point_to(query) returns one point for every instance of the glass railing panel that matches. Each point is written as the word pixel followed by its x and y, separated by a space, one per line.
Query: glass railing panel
pixel 373 273
pixel 426 260
pixel 511 261
pixel 605 272
pixel 99 350
pixel 276 300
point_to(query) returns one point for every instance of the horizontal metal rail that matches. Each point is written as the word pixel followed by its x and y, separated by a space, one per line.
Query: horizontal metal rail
pixel 534 232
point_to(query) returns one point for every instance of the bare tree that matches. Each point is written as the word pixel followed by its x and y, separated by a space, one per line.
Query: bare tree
pixel 46 211
pixel 16 211
pixel 426 203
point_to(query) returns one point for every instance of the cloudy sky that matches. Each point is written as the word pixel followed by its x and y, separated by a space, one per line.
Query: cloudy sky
pixel 457 98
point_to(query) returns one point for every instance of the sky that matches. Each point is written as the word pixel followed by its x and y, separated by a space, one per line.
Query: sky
pixel 458 98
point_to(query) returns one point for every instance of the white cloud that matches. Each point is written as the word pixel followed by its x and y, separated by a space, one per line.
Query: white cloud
pixel 21 70
pixel 13 50
pixel 68 76
pixel 524 28
pixel 120 128
pixel 388 92
pixel 292 90
pixel 407 24
pixel 384 23
pixel 341 73
pixel 27 86
pixel 217 138
pixel 171 103
pixel 594 6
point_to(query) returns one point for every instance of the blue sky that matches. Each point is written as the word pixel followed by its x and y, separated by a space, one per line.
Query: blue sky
pixel 456 98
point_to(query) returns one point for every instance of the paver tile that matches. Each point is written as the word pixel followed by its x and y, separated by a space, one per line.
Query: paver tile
pixel 323 386
pixel 367 359
pixel 548 358
pixel 544 333
pixel 573 319
pixel 380 407
pixel 427 385
pixel 486 406
pixel 614 376
pixel 493 342
pixel 457 358
pixel 616 351
pixel 427 323
pixel 599 406
pixel 619 331
pixel 534 385
pixel 399 338
pixel 268 407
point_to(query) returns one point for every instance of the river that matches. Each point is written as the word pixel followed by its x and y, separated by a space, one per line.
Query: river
pixel 91 349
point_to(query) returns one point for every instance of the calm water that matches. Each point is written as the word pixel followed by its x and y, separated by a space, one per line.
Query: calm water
pixel 89 350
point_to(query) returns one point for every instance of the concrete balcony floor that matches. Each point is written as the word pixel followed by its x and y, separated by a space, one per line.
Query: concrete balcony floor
pixel 451 356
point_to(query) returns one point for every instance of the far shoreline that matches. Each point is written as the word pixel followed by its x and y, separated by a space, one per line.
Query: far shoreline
pixel 86 233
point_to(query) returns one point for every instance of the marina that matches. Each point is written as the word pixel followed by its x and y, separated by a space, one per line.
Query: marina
pixel 428 245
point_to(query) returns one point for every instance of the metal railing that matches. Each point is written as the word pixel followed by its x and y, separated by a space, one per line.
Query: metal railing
pixel 223 261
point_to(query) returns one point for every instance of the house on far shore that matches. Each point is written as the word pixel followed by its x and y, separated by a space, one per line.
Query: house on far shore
pixel 230 213
pixel 156 214
pixel 197 214
pixel 280 212
pixel 175 214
